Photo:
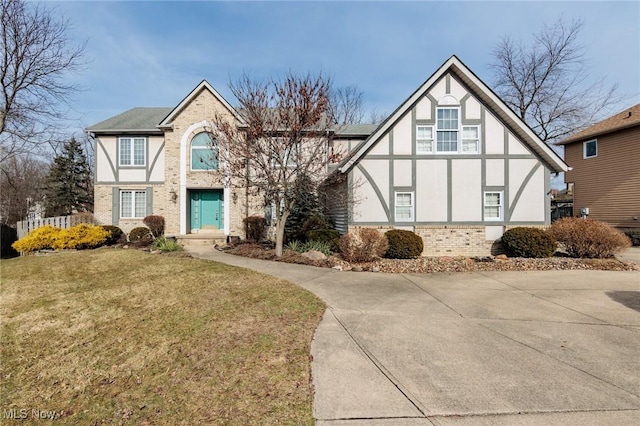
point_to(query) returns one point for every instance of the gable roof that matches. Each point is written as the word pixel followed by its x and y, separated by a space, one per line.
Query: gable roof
pixel 485 94
pixel 135 120
pixel 204 84
pixel 628 118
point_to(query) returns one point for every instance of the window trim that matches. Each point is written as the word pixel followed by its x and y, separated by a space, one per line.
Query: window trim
pixel 427 126
pixel 412 206
pixel 500 206
pixel 203 148
pixel 131 154
pixel 133 203
pixel 584 149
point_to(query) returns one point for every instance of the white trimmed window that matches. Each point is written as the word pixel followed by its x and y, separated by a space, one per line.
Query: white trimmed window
pixel 590 149
pixel 404 206
pixel 204 152
pixel 470 139
pixel 493 205
pixel 424 139
pixel 132 151
pixel 447 128
pixel 133 204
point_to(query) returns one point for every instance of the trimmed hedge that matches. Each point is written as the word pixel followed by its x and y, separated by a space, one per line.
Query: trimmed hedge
pixel 529 242
pixel 140 234
pixel 8 236
pixel 588 238
pixel 115 234
pixel 403 244
pixel 155 223
pixel 633 234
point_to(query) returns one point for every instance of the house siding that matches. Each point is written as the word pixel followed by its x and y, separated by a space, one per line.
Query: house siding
pixel 608 184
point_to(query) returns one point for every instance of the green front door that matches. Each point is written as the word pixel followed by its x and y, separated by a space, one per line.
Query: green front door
pixel 206 210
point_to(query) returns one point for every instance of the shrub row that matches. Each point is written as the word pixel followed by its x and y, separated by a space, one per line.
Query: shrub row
pixel 79 237
pixel 588 238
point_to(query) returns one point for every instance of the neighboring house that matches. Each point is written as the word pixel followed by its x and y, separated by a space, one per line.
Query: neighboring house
pixel 605 175
pixel 453 163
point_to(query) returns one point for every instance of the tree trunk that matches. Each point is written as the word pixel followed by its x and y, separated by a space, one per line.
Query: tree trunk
pixel 282 220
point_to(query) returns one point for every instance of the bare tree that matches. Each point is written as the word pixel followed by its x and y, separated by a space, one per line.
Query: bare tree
pixel 548 84
pixel 22 179
pixel 35 56
pixel 284 139
pixel 345 105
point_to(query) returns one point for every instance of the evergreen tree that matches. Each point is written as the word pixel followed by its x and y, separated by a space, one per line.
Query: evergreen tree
pixel 69 187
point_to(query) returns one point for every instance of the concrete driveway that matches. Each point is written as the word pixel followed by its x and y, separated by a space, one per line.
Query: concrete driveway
pixel 503 348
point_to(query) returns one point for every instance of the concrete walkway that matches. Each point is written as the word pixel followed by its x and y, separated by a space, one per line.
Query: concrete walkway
pixel 499 348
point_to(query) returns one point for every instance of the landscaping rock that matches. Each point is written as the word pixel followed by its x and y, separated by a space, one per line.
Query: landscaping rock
pixel 338 268
pixel 375 269
pixel 356 269
pixel 502 257
pixel 314 255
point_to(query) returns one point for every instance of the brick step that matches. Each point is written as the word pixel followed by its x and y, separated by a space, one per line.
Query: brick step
pixel 202 239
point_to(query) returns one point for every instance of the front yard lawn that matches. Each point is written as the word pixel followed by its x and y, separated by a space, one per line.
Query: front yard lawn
pixel 115 336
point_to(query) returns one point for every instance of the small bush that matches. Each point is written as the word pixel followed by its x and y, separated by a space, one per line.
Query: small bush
pixel 254 227
pixel 115 234
pixel 8 236
pixel 403 244
pixel 633 234
pixel 329 236
pixel 529 242
pixel 39 239
pixel 166 244
pixel 362 245
pixel 140 234
pixel 155 224
pixel 588 238
pixel 80 237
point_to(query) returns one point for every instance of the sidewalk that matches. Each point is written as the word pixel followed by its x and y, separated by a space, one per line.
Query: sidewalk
pixel 499 348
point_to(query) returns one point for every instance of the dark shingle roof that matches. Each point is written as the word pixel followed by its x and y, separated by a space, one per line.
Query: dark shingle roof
pixel 355 130
pixel 136 120
pixel 630 117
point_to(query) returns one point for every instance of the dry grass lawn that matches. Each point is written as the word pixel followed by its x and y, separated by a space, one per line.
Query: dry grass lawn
pixel 123 337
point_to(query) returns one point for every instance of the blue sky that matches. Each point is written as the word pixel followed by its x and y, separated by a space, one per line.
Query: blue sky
pixel 154 53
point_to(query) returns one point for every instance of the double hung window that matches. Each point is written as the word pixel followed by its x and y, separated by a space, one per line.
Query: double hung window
pixel 424 139
pixel 493 205
pixel 404 206
pixel 447 125
pixel 133 204
pixel 132 151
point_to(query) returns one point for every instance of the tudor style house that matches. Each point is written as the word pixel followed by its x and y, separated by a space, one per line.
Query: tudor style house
pixel 453 163
pixel 605 175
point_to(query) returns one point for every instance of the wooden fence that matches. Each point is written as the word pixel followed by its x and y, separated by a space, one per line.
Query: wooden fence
pixel 26 226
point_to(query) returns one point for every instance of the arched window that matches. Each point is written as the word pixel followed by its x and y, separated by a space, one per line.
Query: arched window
pixel 204 152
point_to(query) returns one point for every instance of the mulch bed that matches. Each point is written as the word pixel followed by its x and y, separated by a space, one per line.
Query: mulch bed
pixel 265 251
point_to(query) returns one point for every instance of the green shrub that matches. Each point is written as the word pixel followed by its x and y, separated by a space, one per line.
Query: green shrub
pixel 403 244
pixel 633 234
pixel 140 234
pixel 80 237
pixel 254 227
pixel 588 238
pixel 362 245
pixel 39 239
pixel 155 224
pixel 166 244
pixel 529 242
pixel 329 236
pixel 115 234
pixel 8 236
